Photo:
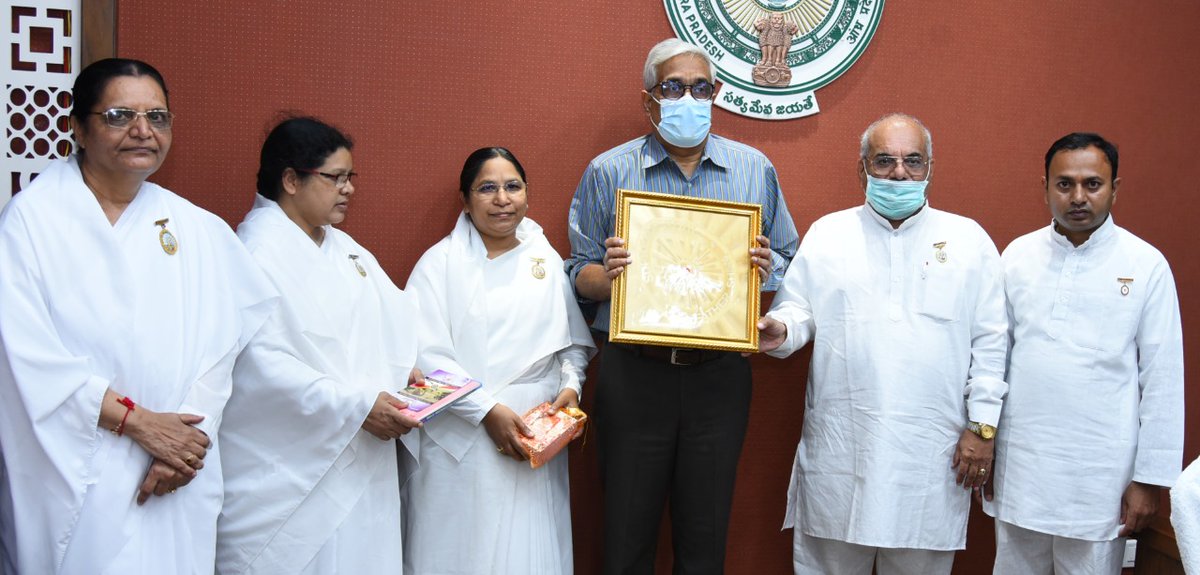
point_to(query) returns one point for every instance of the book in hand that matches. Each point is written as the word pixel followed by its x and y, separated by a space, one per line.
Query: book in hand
pixel 438 391
pixel 552 431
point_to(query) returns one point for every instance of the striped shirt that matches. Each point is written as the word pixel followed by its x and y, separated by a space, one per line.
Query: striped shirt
pixel 728 171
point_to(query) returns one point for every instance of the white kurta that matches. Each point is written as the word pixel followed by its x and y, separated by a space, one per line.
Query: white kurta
pixel 469 509
pixel 1096 376
pixel 87 306
pixel 309 490
pixel 905 346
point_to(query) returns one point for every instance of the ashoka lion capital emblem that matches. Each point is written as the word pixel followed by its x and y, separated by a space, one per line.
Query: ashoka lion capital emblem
pixel 772 55
pixel 774 39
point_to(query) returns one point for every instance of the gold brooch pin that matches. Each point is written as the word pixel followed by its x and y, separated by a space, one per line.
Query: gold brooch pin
pixel 537 270
pixel 361 271
pixel 1125 285
pixel 165 238
pixel 940 254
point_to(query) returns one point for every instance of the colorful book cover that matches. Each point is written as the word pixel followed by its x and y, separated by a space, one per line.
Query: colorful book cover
pixel 438 391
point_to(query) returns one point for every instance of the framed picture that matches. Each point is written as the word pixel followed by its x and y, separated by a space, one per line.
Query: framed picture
pixel 691 283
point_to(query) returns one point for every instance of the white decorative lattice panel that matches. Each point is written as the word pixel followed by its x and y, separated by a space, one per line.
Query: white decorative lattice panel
pixel 41 58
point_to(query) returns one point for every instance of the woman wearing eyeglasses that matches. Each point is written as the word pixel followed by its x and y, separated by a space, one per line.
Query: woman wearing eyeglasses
pixel 312 483
pixel 495 305
pixel 122 310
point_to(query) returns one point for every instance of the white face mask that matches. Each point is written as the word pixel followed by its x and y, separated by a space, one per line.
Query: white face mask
pixel 684 122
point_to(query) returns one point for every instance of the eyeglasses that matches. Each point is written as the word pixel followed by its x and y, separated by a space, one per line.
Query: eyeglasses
pixel 882 165
pixel 122 117
pixel 510 187
pixel 674 89
pixel 339 180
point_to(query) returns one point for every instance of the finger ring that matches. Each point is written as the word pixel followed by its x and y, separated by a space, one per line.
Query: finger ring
pixel 500 449
pixel 983 471
pixel 190 459
pixel 171 491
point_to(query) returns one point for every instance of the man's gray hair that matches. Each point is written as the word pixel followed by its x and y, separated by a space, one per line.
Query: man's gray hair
pixel 667 49
pixel 866 135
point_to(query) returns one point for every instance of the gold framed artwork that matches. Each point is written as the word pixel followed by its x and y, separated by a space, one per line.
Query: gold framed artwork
pixel 690 283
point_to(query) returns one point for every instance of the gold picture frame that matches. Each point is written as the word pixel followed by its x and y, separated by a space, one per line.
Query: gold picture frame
pixel 690 283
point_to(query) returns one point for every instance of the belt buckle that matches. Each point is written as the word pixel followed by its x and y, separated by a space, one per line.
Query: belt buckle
pixel 675 357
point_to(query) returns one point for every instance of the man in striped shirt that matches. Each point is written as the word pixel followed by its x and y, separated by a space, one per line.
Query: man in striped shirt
pixel 670 420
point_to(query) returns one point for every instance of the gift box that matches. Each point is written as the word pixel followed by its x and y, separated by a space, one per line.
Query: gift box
pixel 552 431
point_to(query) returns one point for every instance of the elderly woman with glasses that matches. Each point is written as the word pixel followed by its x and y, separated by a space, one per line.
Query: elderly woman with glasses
pixel 313 485
pixel 496 306
pixel 122 310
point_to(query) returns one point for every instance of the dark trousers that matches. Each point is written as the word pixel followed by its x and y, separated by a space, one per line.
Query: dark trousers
pixel 668 434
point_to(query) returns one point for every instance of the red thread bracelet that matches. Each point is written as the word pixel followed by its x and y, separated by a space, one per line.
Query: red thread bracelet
pixel 129 407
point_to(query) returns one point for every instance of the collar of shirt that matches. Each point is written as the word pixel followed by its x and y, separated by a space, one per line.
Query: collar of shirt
pixel 908 223
pixel 715 152
pixel 1099 236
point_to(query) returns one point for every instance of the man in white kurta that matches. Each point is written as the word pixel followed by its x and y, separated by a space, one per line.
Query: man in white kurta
pixel 1094 416
pixel 512 323
pixel 87 306
pixel 308 489
pixel 908 330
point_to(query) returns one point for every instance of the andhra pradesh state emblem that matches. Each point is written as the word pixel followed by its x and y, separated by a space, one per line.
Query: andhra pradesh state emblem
pixel 772 55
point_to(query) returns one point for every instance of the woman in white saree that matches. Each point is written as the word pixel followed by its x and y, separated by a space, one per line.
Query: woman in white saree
pixel 311 473
pixel 122 309
pixel 495 305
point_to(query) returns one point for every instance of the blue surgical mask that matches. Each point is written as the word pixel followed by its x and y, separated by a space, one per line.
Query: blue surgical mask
pixel 685 122
pixel 895 199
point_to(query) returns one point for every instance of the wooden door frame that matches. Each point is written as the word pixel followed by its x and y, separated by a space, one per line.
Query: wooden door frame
pixel 99 39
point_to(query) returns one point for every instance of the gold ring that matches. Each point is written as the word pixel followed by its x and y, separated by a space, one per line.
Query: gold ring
pixel 983 471
pixel 500 449
pixel 190 459
pixel 171 491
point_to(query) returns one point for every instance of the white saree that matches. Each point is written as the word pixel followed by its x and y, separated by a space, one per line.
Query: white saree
pixel 512 323
pixel 87 306
pixel 308 490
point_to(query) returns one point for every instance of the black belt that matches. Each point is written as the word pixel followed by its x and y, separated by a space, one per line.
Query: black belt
pixel 678 356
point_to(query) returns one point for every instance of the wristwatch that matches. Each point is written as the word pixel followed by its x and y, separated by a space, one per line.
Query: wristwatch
pixel 982 429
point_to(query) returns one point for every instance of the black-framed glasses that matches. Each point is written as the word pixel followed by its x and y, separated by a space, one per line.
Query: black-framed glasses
pixel 674 89
pixel 883 164
pixel 158 119
pixel 510 187
pixel 339 180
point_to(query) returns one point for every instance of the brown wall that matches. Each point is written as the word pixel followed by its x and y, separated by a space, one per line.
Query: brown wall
pixel 420 85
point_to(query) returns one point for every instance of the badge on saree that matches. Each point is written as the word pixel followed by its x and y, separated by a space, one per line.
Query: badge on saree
pixel 1125 285
pixel 165 238
pixel 940 254
pixel 537 270
pixel 361 270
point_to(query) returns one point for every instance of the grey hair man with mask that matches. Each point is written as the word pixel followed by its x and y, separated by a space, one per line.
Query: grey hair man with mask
pixel 904 305
pixel 670 421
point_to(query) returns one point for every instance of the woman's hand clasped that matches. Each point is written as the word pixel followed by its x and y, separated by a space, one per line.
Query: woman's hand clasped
pixel 161 479
pixel 170 438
